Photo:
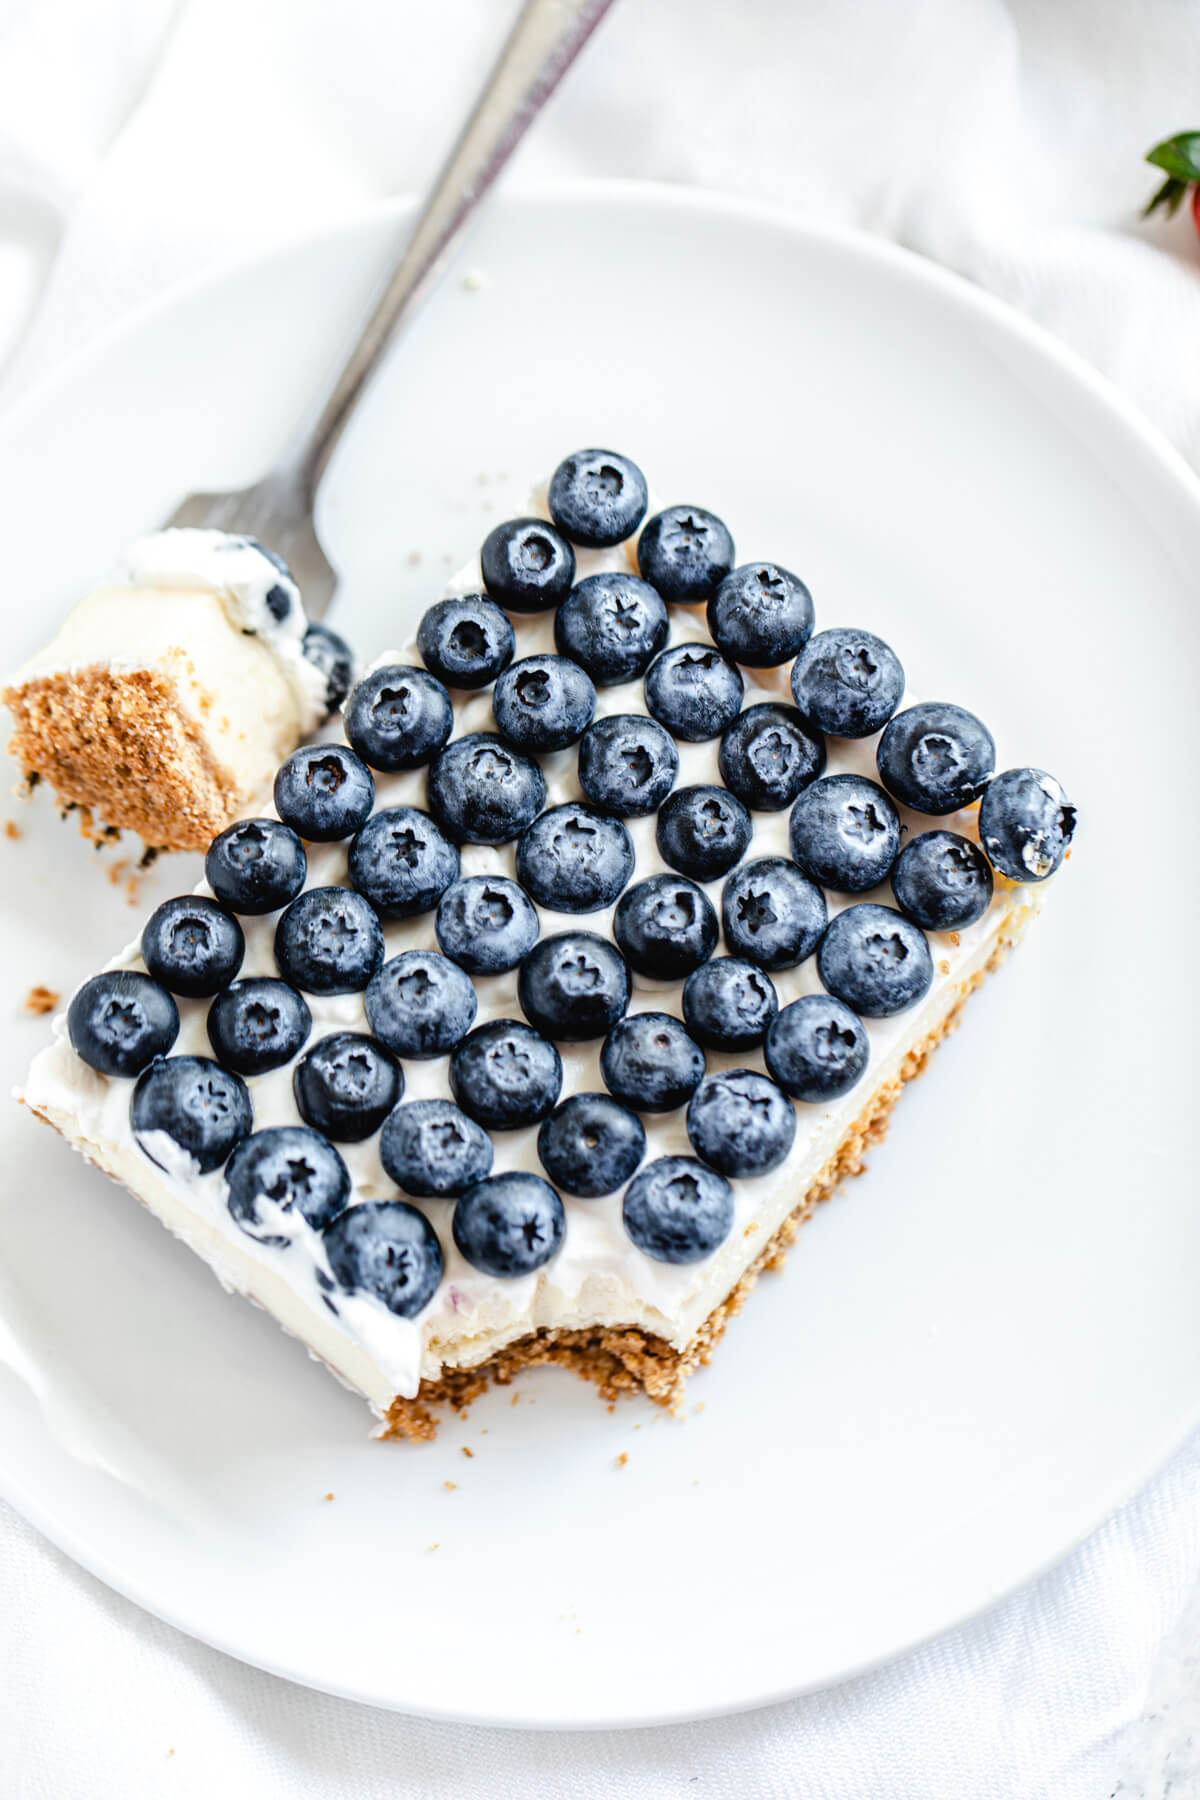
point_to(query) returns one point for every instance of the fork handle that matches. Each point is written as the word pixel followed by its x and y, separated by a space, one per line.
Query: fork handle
pixel 544 42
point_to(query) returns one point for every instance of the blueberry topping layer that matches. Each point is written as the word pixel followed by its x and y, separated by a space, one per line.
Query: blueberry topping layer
pixel 119 1022
pixel 527 565
pixel 286 1173
pixel 936 757
pixel 703 831
pixel 816 1049
pixel 257 1025
pixel 389 1250
pixel 420 1004
pixel 666 927
pixel 543 703
pixel 848 682
pixel 740 1124
pixel 401 863
pixel 505 1075
pixel 772 914
pixel 597 497
pixel 481 791
pixel 677 1211
pixel 769 755
pixel 324 792
pixel 486 924
pixel 466 641
pixel 694 691
pixel 193 946
pixel 256 866
pixel 1026 824
pixel 329 941
pixel 431 1149
pixel 613 625
pixel 573 986
pixel 844 832
pixel 761 615
pixel 346 1086
pixel 941 881
pixel 728 1004
pixel 650 1063
pixel 574 860
pixel 398 717
pixel 685 553
pixel 590 1145
pixel 204 1109
pixel 509 1225
pixel 627 765
pixel 876 960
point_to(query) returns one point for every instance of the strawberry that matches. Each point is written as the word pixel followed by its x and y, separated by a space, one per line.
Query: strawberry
pixel 1179 158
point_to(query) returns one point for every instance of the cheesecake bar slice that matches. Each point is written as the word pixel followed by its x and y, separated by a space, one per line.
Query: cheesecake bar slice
pixel 566 977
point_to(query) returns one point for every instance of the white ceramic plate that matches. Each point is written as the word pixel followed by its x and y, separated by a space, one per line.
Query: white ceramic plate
pixel 978 1350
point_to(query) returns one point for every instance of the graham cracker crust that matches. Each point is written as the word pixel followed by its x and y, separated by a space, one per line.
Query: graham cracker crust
pixel 624 1360
pixel 121 746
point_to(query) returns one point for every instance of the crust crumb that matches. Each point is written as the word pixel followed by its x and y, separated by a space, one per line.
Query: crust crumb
pixel 11 829
pixel 621 1460
pixel 40 1000
pixel 467 1451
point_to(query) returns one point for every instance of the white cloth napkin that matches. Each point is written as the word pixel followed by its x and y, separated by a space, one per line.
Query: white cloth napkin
pixel 144 140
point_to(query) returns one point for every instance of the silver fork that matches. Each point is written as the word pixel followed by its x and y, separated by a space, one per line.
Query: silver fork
pixel 278 509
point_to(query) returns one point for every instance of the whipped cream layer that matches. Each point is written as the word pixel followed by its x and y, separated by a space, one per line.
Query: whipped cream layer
pixel 598 1278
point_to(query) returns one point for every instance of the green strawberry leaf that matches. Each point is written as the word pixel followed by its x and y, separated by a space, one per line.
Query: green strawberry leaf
pixel 1171 195
pixel 1179 156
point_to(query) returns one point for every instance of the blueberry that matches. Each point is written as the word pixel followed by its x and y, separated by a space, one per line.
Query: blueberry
pixel 649 1062
pixel 202 1108
pixel 1026 824
pixel 703 831
pixel 666 927
pixel 485 924
pixel 694 691
pixel 942 881
pixel 627 765
pixel 329 941
pixel 258 1025
pixel 333 657
pixel 526 565
pixel 466 641
pixel 346 1086
pixel 505 1075
pixel 256 866
pixel 543 703
pixel 121 1021
pixel 769 755
pixel 398 717
pixel 481 792
pixel 936 757
pixel 816 1049
pixel 772 914
pixel 324 792
pixel 613 625
pixel 192 946
pixel 847 682
pixel 740 1124
pixel 509 1225
pixel 761 615
pixel 591 1146
pixel 728 1004
pixel 876 960
pixel 431 1149
pixel 574 860
pixel 573 986
pixel 401 862
pixel 677 1211
pixel 389 1250
pixel 597 498
pixel 420 1004
pixel 278 1176
pixel 686 553
pixel 845 833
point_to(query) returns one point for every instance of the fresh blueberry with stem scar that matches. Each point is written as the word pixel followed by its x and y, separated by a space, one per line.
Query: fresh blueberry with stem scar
pixel 650 1063
pixel 401 862
pixel 844 832
pixel 590 1145
pixel 329 941
pixel 816 1049
pixel 936 757
pixel 740 1124
pixel 666 927
pixel 280 1177
pixel 848 682
pixel 486 924
pixel 256 866
pixel 509 1225
pixel 1026 824
pixel 431 1149
pixel 597 498
pixel 685 553
pixel 761 615
pixel 257 1025
pixel 703 831
pixel 505 1075
pixel 876 960
pixel 466 641
pixel 942 881
pixel 677 1211
pixel 543 703
pixel 482 792
pixel 420 1004
pixel 527 566
pixel 694 691
pixel 769 755
pixel 613 625
pixel 332 656
pixel 627 765
pixel 346 1086
pixel 324 792
pixel 573 986
pixel 398 717
pixel 728 1004
pixel 202 1108
pixel 772 914
pixel 120 1022
pixel 574 860
pixel 389 1250
pixel 192 945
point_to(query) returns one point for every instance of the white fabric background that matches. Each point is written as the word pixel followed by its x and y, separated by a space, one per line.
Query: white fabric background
pixel 144 140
